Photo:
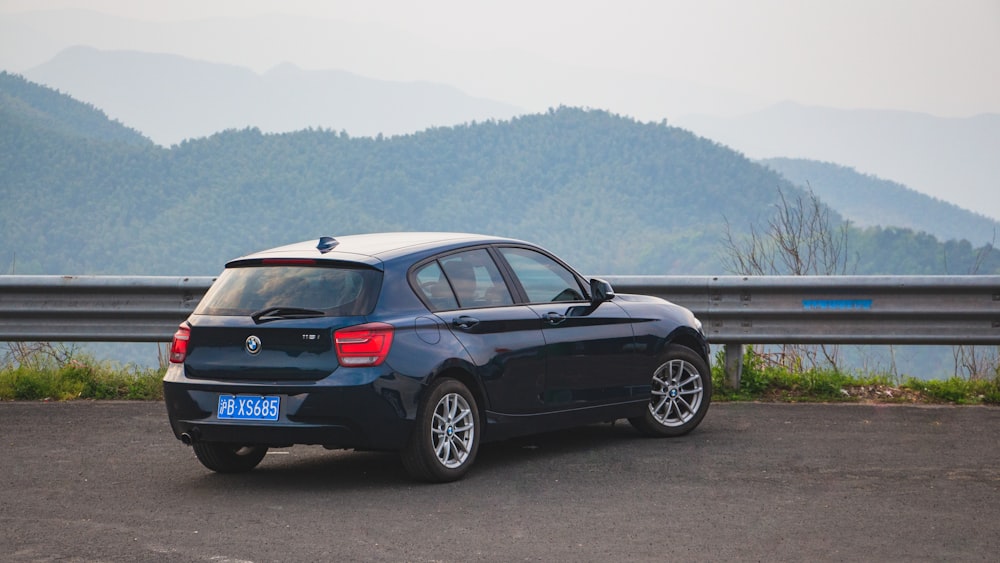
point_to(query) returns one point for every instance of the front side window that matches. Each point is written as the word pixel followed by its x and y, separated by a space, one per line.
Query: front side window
pixel 333 290
pixel 543 279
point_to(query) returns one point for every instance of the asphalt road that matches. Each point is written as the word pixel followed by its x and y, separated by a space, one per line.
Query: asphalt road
pixel 87 481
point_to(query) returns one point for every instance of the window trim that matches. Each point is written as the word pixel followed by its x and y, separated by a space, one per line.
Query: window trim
pixel 517 291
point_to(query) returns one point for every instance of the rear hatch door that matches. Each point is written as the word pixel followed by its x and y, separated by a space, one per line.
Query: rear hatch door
pixel 275 321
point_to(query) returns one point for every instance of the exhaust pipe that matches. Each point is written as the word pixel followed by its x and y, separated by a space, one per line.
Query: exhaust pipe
pixel 191 437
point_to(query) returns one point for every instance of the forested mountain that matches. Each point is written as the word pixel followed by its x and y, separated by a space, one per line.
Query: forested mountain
pixel 868 201
pixel 610 194
pixel 28 106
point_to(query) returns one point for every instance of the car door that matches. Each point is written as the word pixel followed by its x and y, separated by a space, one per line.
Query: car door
pixel 589 347
pixel 504 340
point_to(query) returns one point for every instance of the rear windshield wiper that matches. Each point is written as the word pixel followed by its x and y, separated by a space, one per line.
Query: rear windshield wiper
pixel 274 313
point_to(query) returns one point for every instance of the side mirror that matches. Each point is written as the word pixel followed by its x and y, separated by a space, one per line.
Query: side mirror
pixel 601 291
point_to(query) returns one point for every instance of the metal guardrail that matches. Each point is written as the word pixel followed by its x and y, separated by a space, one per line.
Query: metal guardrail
pixel 735 310
pixel 834 309
pixel 96 308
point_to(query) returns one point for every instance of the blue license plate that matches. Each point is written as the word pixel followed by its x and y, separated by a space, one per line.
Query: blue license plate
pixel 248 407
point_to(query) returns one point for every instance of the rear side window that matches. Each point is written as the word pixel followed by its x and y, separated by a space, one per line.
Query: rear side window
pixel 337 291
pixel 434 288
pixel 464 280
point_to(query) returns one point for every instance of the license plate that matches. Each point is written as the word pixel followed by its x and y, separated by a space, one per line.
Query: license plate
pixel 246 407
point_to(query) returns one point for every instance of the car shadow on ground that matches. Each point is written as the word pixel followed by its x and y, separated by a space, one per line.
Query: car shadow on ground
pixel 311 468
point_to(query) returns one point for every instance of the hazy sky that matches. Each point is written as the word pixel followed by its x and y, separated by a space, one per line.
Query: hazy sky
pixel 934 56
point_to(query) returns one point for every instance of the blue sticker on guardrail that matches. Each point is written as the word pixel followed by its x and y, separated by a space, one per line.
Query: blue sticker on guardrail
pixel 837 304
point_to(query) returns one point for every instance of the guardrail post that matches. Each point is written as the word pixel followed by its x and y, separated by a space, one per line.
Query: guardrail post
pixel 734 365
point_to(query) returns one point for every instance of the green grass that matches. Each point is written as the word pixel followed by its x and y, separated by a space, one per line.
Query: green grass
pixel 957 390
pixel 42 376
pixel 761 381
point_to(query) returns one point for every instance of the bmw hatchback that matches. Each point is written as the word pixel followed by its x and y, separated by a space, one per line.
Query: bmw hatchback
pixel 428 344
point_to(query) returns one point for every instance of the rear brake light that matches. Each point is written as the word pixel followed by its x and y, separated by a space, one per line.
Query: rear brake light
pixel 363 345
pixel 179 347
pixel 288 262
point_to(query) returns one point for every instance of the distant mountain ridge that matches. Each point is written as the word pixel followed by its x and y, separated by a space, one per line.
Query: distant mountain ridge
pixel 869 201
pixel 953 159
pixel 171 98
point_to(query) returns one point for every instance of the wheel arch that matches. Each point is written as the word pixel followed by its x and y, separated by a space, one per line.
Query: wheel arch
pixel 461 373
pixel 691 339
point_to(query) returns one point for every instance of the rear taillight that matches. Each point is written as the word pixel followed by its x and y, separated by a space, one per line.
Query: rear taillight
pixel 179 347
pixel 288 262
pixel 363 345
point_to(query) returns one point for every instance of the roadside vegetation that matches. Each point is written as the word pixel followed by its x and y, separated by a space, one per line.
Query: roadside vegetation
pixel 764 379
pixel 52 372
pixel 803 238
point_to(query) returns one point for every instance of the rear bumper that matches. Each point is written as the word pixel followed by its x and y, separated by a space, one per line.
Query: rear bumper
pixel 363 408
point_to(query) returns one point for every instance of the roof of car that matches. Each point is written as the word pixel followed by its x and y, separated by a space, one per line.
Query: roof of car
pixel 372 248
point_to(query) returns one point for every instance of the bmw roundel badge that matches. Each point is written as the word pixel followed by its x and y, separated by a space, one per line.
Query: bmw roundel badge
pixel 253 345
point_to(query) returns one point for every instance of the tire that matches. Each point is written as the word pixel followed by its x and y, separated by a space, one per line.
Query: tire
pixel 446 436
pixel 680 395
pixel 228 458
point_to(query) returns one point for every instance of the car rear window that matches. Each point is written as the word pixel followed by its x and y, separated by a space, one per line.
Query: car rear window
pixel 337 291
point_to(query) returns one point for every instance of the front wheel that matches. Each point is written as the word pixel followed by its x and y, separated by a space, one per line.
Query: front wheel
pixel 228 458
pixel 680 395
pixel 446 436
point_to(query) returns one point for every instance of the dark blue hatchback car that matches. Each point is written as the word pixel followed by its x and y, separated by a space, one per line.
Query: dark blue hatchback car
pixel 425 343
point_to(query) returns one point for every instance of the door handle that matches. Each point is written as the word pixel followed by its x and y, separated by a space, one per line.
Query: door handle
pixel 554 318
pixel 464 322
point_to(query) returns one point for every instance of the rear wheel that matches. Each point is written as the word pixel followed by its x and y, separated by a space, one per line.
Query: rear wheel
pixel 446 436
pixel 680 395
pixel 228 458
